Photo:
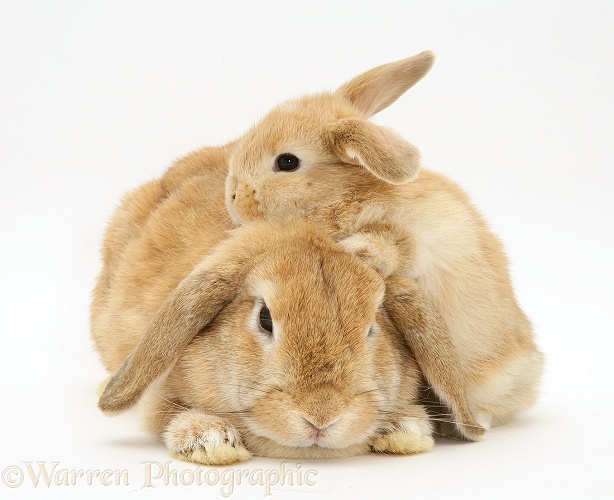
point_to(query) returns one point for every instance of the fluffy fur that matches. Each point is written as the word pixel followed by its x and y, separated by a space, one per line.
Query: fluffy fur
pixel 361 184
pixel 175 319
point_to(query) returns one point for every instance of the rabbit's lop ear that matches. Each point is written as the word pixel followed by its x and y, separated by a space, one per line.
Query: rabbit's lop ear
pixel 429 339
pixel 193 304
pixel 380 87
pixel 380 150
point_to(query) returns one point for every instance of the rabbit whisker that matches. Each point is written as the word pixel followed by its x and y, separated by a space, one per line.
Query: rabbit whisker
pixel 172 403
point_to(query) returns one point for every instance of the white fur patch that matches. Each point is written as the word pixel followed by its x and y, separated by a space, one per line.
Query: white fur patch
pixel 205 439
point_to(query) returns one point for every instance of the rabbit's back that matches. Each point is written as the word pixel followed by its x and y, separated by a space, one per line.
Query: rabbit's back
pixel 157 234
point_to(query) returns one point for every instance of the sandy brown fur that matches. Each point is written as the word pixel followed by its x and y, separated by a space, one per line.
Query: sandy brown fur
pixel 173 320
pixel 135 256
pixel 360 183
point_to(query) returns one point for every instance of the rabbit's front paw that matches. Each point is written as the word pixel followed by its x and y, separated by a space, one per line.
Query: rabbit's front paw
pixel 407 437
pixel 205 439
pixel 374 250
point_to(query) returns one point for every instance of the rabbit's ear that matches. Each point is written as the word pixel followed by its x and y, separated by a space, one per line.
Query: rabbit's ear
pixel 380 150
pixel 429 339
pixel 380 87
pixel 193 304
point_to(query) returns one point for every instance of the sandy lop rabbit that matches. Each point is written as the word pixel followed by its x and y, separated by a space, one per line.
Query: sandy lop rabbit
pixel 271 340
pixel 320 158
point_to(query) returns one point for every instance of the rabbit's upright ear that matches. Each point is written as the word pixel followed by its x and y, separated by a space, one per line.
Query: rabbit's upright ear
pixel 429 339
pixel 379 87
pixel 193 304
pixel 380 150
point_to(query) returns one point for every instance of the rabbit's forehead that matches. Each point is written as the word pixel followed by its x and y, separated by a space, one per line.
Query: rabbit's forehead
pixel 280 133
pixel 319 286
pixel 264 288
pixel 301 123
pixel 312 109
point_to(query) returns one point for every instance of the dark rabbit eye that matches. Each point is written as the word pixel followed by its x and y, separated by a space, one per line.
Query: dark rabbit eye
pixel 264 320
pixel 287 163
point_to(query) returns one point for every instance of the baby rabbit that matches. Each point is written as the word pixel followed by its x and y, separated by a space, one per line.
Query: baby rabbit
pixel 271 340
pixel 320 158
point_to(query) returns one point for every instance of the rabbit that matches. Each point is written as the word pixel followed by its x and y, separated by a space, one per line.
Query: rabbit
pixel 136 207
pixel 320 159
pixel 268 339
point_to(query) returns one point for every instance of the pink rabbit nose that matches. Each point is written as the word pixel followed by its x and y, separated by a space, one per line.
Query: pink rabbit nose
pixel 319 427
pixel 245 202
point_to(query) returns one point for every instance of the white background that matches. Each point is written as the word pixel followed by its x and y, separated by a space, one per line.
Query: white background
pixel 98 97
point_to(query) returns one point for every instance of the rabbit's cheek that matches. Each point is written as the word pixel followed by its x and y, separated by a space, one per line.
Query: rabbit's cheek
pixel 245 203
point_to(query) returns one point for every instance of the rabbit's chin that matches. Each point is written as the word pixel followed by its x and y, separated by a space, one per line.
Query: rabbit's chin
pixel 264 447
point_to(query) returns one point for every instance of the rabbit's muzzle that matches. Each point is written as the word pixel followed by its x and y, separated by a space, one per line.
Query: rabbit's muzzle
pixel 244 203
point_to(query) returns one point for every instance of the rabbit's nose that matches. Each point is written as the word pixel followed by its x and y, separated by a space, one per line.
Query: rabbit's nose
pixel 319 425
pixel 245 202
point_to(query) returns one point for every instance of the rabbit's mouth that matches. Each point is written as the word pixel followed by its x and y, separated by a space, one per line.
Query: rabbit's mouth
pixel 332 435
pixel 337 436
pixel 319 436
pixel 242 202
pixel 309 449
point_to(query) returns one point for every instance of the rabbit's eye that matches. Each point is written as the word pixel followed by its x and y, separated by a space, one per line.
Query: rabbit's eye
pixel 264 320
pixel 287 163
